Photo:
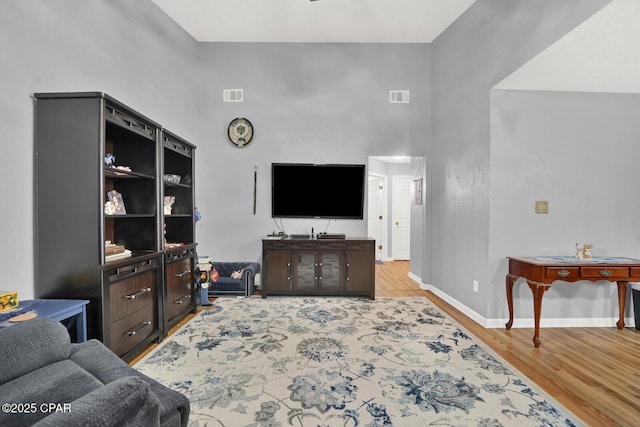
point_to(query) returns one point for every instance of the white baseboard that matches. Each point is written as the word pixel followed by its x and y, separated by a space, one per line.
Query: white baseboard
pixel 600 322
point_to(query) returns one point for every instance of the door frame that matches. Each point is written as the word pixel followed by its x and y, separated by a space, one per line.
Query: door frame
pixel 384 226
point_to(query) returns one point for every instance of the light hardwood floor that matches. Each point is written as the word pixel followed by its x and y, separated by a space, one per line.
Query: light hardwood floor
pixel 593 372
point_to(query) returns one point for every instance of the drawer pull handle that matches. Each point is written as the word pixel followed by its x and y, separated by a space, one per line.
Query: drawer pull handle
pixel 126 269
pixel 605 273
pixel 183 273
pixel 563 273
pixel 137 294
pixel 181 300
pixel 140 326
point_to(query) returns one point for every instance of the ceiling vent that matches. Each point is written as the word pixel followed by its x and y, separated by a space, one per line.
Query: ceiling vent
pixel 232 95
pixel 398 96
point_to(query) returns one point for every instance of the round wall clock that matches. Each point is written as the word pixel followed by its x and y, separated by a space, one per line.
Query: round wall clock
pixel 240 132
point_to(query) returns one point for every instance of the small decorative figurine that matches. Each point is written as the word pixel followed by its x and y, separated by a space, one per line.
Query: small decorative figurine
pixel 586 251
pixel 109 160
pixel 579 251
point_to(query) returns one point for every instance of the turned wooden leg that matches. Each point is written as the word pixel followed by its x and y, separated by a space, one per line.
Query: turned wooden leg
pixel 622 299
pixel 510 282
pixel 538 291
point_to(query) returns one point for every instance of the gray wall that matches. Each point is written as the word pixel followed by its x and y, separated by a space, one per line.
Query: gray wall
pixel 316 103
pixel 579 152
pixel 309 103
pixel 328 103
pixel 487 43
pixel 128 49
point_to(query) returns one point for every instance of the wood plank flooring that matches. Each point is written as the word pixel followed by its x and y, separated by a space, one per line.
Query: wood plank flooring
pixel 593 372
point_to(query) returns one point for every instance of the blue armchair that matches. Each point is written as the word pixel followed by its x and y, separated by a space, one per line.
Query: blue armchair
pixel 225 285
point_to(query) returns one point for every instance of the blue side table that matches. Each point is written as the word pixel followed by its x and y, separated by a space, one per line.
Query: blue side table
pixel 54 309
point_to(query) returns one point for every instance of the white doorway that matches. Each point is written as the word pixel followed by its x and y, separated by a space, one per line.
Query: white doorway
pixel 377 213
pixel 401 217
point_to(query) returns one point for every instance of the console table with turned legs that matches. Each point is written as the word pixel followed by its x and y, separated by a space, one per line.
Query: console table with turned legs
pixel 541 272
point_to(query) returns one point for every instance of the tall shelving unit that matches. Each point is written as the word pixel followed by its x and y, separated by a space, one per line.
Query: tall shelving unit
pixel 178 228
pixel 74 134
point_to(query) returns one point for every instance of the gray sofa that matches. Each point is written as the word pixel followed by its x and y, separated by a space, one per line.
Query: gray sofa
pixel 47 381
pixel 225 285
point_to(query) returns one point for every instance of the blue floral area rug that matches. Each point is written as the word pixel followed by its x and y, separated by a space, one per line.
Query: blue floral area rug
pixel 296 361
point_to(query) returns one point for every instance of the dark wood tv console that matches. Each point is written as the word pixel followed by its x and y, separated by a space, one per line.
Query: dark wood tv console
pixel 341 267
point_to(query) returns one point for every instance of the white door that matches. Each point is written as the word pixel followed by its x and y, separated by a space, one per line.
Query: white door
pixel 376 213
pixel 401 217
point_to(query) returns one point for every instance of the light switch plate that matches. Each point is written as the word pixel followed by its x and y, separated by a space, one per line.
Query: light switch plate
pixel 542 207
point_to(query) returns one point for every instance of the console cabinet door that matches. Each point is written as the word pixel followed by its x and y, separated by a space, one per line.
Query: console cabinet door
pixel 278 271
pixel 359 271
pixel 305 268
pixel 330 271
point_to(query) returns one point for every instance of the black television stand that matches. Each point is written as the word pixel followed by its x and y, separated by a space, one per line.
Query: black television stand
pixel 322 266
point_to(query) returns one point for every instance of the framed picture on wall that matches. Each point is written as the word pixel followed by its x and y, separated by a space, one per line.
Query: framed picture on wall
pixel 417 191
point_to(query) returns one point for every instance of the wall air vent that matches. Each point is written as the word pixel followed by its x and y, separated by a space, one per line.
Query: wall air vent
pixel 232 95
pixel 398 96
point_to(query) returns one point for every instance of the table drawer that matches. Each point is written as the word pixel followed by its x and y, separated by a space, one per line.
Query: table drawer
pixel 635 272
pixel 604 272
pixel 369 245
pixel 130 331
pixel 275 245
pixel 560 273
pixel 332 245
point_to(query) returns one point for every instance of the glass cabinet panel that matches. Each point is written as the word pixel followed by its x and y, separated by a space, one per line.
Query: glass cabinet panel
pixel 330 268
pixel 305 270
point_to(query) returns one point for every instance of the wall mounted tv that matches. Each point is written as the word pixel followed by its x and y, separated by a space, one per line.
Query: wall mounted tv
pixel 317 191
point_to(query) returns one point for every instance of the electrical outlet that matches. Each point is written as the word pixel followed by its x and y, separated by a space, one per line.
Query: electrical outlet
pixel 475 286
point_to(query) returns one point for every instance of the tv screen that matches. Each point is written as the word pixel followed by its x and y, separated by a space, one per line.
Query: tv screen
pixel 317 191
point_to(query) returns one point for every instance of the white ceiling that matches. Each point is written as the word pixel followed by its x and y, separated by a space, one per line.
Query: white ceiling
pixel 601 55
pixel 356 21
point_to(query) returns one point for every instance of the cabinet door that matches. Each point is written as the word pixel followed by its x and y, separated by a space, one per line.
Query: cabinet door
pixel 359 275
pixel 331 271
pixel 305 268
pixel 278 271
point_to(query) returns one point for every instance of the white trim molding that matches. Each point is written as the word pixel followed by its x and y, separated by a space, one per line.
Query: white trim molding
pixel 600 322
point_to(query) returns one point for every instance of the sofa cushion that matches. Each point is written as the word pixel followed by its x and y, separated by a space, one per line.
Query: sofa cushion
pixel 127 401
pixel 227 284
pixel 60 382
pixel 30 345
pixel 214 275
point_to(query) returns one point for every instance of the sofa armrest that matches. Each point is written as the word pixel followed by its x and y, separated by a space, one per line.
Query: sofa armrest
pixel 251 269
pixel 102 363
pixel 30 345
pixel 127 401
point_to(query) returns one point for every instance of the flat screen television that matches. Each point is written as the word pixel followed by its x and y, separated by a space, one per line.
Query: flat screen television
pixel 301 190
